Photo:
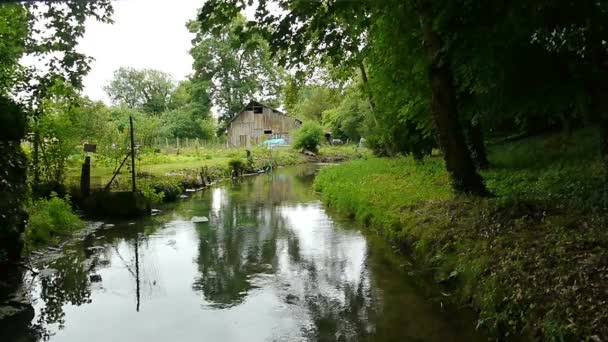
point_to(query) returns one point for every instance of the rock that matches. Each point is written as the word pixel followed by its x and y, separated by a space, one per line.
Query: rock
pixel 182 196
pixel 199 219
pixel 156 211
pixel 108 225
pixel 190 190
pixel 95 278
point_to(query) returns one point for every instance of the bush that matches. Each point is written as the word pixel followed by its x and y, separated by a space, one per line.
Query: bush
pixel 167 189
pixel 50 219
pixel 308 136
pixel 237 166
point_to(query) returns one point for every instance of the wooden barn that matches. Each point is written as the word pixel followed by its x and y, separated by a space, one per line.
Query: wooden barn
pixel 257 123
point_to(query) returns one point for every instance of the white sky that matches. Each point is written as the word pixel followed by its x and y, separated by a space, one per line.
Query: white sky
pixel 145 34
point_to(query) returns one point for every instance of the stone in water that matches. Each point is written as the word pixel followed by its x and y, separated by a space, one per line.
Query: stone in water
pixel 199 219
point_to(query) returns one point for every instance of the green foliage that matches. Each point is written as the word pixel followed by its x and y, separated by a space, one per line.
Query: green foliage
pixel 375 191
pixel 50 219
pixel 230 71
pixel 150 193
pixel 291 92
pixel 57 54
pixel 308 136
pixel 555 168
pixel 147 90
pixel 13 190
pixel 347 119
pixel 313 101
pixel 506 254
pixel 237 166
pixel 159 189
pixel 56 60
pixel 13 30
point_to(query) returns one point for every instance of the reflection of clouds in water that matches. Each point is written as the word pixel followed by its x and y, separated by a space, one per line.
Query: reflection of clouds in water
pixel 343 252
pixel 217 199
pixel 324 271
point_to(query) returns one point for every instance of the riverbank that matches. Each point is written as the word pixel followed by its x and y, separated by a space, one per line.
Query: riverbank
pixel 170 174
pixel 532 261
pixel 270 257
pixel 161 179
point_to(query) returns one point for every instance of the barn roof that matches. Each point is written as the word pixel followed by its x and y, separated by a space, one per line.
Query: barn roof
pixel 253 102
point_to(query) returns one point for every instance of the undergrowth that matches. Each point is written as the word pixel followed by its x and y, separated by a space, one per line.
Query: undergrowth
pixel 533 260
pixel 50 220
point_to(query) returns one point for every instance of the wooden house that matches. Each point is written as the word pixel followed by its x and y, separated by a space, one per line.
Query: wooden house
pixel 257 123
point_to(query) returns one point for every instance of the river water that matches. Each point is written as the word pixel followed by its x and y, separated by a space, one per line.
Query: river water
pixel 272 264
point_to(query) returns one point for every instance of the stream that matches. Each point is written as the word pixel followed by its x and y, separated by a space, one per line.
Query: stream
pixel 272 264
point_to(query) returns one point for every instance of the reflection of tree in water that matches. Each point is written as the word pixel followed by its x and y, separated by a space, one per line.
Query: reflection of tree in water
pixel 338 308
pixel 68 284
pixel 238 243
pixel 346 316
pixel 240 240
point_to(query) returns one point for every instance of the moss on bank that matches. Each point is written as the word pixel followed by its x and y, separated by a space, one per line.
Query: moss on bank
pixel 533 261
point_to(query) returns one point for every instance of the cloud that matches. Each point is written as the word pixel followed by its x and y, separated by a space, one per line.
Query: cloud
pixel 146 34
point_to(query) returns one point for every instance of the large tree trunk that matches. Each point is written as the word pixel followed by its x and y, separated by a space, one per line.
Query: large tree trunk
pixel 368 90
pixel 444 110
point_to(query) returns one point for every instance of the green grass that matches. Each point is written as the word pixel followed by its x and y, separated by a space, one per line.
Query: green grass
pixel 171 173
pixel 532 259
pixel 50 220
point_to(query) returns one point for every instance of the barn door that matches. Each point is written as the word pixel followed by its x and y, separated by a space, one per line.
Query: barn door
pixel 243 140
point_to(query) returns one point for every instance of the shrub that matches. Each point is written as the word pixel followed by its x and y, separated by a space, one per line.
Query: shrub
pixel 167 189
pixel 308 136
pixel 50 219
pixel 150 194
pixel 237 166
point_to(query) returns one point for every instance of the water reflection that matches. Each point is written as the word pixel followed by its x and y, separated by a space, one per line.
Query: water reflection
pixel 270 265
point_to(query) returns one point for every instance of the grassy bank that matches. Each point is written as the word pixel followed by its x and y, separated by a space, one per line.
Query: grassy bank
pixel 171 174
pixel 533 260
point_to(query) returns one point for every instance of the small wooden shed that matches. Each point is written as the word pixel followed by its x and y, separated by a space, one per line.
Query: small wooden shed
pixel 257 123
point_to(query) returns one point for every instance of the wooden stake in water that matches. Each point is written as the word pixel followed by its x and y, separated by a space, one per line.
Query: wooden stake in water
pixel 132 155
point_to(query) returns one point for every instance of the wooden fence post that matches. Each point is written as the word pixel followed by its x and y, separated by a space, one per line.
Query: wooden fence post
pixel 85 178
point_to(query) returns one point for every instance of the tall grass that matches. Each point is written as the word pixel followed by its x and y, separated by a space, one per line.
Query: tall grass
pixel 50 219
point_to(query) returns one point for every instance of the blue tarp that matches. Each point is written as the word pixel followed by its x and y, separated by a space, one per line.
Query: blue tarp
pixel 275 142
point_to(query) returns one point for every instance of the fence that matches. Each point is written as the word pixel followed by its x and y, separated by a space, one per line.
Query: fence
pixel 185 143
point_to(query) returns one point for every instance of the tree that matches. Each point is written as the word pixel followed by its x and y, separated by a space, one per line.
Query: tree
pixel 313 100
pixel 337 30
pixel 291 92
pixel 233 71
pixel 146 89
pixel 346 121
pixel 58 60
pixel 308 136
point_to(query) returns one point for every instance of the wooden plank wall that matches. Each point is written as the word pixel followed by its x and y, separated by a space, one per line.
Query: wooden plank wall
pixel 253 125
